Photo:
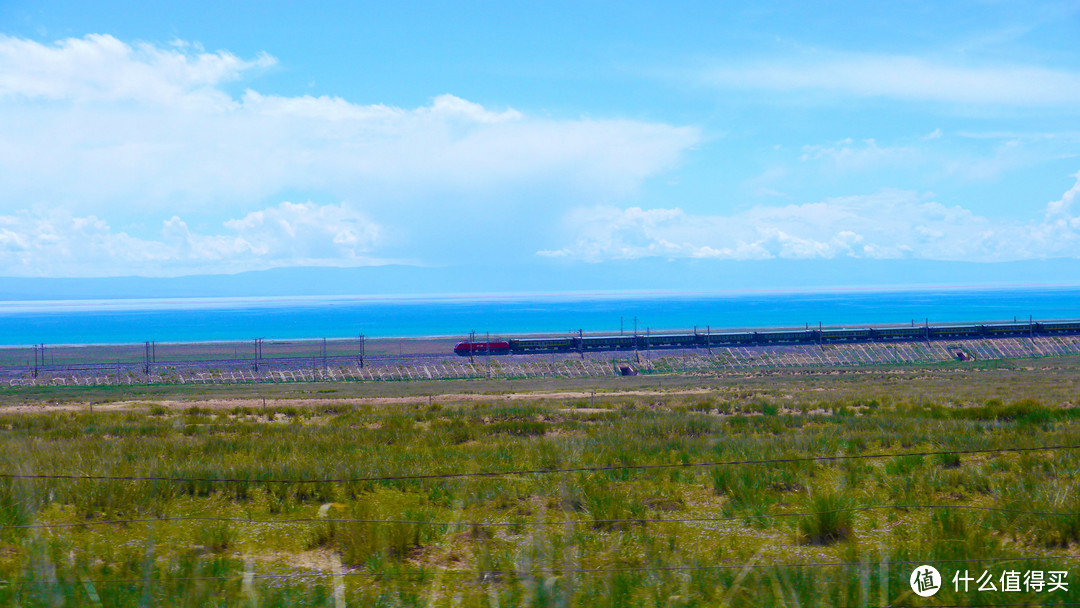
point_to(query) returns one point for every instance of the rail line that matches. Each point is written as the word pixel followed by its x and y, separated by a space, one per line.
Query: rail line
pixel 356 367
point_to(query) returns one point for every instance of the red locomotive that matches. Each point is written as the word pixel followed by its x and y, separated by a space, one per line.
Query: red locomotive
pixel 467 348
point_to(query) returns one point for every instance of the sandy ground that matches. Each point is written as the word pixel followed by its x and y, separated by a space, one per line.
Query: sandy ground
pixel 218 404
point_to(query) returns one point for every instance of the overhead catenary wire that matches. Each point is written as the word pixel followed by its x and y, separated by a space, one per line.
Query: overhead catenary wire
pixel 591 469
pixel 507 524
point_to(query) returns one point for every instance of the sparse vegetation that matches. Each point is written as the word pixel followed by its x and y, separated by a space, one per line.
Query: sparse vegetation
pixel 660 536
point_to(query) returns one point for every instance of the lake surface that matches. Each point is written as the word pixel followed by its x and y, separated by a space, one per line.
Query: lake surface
pixel 210 319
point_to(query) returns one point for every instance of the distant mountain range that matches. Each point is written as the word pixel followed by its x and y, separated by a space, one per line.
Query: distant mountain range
pixel 542 277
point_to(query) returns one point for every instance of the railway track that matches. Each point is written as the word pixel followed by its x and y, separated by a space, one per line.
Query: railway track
pixel 440 366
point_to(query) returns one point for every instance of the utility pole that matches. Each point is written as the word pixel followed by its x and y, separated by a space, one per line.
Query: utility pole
pixel 361 351
pixel 708 338
pixel 581 343
pixel 647 358
pixel 472 346
pixel 324 355
pixel 146 358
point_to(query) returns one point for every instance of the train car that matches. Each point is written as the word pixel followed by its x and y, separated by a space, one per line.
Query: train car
pixel 956 331
pixel 608 343
pixel 899 333
pixel 1008 329
pixel 668 341
pixel 728 339
pixel 807 336
pixel 1058 327
pixel 845 335
pixel 466 348
pixel 542 345
pixel 785 337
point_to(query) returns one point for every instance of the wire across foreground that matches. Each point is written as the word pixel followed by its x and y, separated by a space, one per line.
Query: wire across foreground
pixel 593 469
pixel 492 574
pixel 507 524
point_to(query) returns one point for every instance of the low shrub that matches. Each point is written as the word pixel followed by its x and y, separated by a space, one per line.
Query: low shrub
pixel 829 521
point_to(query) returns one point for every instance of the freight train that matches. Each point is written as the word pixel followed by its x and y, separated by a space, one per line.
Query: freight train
pixel 519 346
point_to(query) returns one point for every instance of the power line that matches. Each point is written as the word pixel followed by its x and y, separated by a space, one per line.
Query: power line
pixel 636 520
pixel 489 574
pixel 1023 604
pixel 1028 605
pixel 802 565
pixel 546 471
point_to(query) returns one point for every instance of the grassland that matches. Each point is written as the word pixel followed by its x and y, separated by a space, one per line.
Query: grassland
pixel 842 515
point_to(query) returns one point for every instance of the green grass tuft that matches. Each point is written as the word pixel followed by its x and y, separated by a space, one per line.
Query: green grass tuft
pixel 831 521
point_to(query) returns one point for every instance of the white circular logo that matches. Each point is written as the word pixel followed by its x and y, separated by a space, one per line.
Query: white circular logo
pixel 925 581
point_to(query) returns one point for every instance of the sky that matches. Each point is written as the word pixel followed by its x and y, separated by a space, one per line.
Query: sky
pixel 206 138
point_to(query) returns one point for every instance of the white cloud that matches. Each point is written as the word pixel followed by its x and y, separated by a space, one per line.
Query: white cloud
pixel 892 224
pixel 932 155
pixel 59 244
pixel 298 232
pixel 905 77
pixel 102 68
pixel 1063 207
pixel 848 155
pixel 133 134
pixel 104 123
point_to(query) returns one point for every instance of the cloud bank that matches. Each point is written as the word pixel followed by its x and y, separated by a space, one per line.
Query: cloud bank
pixel 97 133
pixel 100 121
pixel 891 224
pixel 137 158
pixel 101 68
pixel 904 77
pixel 288 234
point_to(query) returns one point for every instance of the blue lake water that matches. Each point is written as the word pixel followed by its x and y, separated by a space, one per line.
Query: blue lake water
pixel 198 320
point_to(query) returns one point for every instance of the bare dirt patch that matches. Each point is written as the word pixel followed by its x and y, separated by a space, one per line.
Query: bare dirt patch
pixel 221 404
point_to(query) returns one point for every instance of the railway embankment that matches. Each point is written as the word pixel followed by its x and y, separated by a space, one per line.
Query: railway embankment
pixel 420 363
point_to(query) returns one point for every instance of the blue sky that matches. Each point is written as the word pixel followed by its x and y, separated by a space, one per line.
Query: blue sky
pixel 201 138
